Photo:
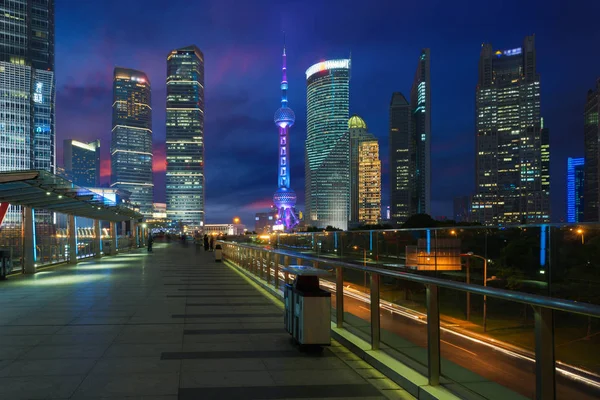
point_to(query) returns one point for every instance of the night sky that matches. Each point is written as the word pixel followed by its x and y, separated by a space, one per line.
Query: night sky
pixel 242 40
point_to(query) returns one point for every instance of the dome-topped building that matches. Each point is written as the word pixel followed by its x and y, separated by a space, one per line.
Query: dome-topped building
pixel 356 122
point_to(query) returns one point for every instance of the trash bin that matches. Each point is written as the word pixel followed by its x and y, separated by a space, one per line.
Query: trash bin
pixel 307 307
pixel 218 253
pixel 5 263
pixel 107 247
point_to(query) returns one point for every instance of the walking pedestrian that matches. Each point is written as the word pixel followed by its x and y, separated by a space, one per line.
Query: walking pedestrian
pixel 212 243
pixel 150 241
pixel 205 242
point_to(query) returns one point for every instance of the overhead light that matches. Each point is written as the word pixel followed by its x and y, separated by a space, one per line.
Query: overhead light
pixel 47 193
pixel 60 196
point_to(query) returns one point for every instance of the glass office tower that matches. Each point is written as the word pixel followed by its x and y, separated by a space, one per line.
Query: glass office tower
pixel 327 167
pixel 185 137
pixel 575 185
pixel 420 104
pixel 131 146
pixel 591 132
pixel 27 85
pixel 82 162
pixel 27 91
pixel 512 146
pixel 401 145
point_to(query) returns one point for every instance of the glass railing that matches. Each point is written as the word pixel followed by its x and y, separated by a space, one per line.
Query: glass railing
pixel 491 341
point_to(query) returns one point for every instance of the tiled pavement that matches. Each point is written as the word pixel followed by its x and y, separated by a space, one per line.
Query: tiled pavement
pixel 166 325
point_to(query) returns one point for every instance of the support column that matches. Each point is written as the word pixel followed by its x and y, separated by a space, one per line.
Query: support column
pixel 72 229
pixel 113 238
pixel 134 233
pixel 545 368
pixel 28 241
pixel 97 239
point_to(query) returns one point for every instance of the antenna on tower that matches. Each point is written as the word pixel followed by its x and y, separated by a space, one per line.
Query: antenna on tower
pixel 284 42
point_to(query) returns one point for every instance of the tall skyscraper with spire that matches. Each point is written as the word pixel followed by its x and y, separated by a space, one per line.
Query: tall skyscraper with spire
pixel 591 133
pixel 327 166
pixel 410 146
pixel 512 145
pixel 284 198
pixel 185 137
pixel 131 145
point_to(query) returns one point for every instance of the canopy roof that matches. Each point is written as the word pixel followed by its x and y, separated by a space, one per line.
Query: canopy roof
pixel 43 190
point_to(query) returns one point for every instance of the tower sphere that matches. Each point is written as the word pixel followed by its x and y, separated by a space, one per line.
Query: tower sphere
pixel 285 198
pixel 284 117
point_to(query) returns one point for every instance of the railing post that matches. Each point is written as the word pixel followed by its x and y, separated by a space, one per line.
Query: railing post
pixel 269 257
pixel 339 297
pixel 28 241
pixel 72 229
pixel 298 261
pixel 375 323
pixel 433 335
pixel 286 263
pixel 276 259
pixel 545 378
pixel 261 257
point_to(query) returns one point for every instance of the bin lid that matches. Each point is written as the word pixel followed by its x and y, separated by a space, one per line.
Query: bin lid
pixel 304 270
pixel 218 247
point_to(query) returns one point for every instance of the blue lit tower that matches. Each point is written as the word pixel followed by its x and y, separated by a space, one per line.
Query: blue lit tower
pixel 284 198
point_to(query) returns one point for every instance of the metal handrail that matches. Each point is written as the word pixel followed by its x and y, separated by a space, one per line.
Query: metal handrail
pixel 252 259
pixel 587 309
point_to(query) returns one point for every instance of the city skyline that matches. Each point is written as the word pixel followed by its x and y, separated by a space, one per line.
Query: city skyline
pixel 452 93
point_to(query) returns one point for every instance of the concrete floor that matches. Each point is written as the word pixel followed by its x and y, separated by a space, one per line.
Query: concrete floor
pixel 166 325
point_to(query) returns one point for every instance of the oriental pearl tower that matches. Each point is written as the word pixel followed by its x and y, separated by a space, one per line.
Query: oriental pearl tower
pixel 284 198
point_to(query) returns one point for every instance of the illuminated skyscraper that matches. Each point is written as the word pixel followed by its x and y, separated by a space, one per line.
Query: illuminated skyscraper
pixel 27 85
pixel 513 153
pixel 591 132
pixel 284 198
pixel 327 166
pixel 185 137
pixel 131 146
pixel 420 105
pixel 82 162
pixel 575 185
pixel 401 149
pixel 358 134
pixel 27 93
pixel 369 182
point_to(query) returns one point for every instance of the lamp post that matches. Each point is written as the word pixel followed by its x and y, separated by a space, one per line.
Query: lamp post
pixel 580 231
pixel 364 263
pixel 471 254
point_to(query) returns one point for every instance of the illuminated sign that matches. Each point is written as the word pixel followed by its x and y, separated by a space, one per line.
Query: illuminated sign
pixel 37 95
pixel 327 65
pixel 278 227
pixel 511 52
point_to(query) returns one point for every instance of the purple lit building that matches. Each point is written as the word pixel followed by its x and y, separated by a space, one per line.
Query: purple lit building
pixel 284 198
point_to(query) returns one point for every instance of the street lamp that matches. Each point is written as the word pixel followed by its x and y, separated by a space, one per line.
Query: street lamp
pixel 580 232
pixel 471 254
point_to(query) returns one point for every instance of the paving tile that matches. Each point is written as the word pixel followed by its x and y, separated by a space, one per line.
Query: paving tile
pixel 316 377
pixel 60 367
pixel 192 379
pixel 126 350
pixel 133 384
pixel 39 387
pixel 112 366
pixel 41 352
pixel 223 364
pixel 353 391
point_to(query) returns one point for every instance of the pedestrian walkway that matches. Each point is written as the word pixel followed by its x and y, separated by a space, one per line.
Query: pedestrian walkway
pixel 172 324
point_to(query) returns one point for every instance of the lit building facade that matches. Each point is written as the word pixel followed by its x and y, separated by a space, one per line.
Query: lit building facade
pixel 225 229
pixel 357 129
pixel 327 158
pixel 185 137
pixel 591 132
pixel 400 147
pixel 131 145
pixel 420 153
pixel 369 183
pixel 82 162
pixel 513 153
pixel 27 91
pixel 264 221
pixel 575 187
